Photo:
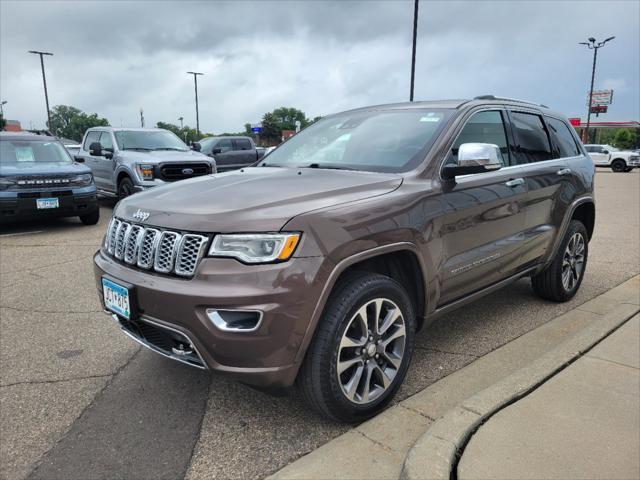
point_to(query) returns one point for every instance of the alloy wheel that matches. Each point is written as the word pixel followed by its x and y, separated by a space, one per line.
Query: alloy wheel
pixel 573 262
pixel 371 351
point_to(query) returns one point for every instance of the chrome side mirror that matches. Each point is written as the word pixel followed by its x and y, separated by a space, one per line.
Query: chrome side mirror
pixel 474 158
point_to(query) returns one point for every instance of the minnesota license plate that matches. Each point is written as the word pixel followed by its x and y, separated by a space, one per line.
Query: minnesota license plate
pixel 116 298
pixel 44 203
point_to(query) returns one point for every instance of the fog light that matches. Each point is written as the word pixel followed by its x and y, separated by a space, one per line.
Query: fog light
pixel 235 320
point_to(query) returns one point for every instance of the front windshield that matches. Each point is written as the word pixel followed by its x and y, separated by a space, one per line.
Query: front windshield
pixel 149 140
pixel 29 153
pixel 377 141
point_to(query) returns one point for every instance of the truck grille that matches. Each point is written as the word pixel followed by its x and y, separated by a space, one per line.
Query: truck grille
pixel 171 172
pixel 163 251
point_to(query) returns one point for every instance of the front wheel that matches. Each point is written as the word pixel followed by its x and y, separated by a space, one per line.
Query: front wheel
pixel 361 350
pixel 618 166
pixel 562 278
pixel 125 188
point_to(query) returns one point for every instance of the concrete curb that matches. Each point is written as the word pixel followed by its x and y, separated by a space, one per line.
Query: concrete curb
pixel 436 453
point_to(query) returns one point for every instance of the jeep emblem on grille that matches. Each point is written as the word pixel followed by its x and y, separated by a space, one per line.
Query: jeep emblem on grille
pixel 187 171
pixel 140 215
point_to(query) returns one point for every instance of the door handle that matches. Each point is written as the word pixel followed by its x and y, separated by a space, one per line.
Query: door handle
pixel 515 182
pixel 564 171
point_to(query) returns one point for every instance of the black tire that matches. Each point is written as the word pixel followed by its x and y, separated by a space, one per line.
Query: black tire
pixel 628 169
pixel 549 283
pixel 91 218
pixel 319 382
pixel 125 188
pixel 618 166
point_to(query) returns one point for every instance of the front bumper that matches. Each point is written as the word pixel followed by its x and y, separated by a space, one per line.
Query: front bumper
pixel 285 293
pixel 23 204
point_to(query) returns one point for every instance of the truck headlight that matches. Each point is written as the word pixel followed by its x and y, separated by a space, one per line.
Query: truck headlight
pixel 145 171
pixel 6 183
pixel 83 179
pixel 255 248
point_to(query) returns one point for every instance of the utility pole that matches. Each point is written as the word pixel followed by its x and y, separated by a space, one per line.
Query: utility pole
pixel 44 80
pixel 413 53
pixel 592 44
pixel 195 82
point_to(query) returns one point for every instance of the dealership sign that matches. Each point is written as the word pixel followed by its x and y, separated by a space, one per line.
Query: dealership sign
pixel 600 97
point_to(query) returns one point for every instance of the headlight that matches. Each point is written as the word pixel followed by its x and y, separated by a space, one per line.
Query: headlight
pixel 83 179
pixel 145 171
pixel 255 248
pixel 7 183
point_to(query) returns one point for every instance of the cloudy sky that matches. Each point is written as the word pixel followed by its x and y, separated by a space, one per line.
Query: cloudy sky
pixel 114 57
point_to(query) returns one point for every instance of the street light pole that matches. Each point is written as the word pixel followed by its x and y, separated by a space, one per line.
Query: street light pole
pixel 195 82
pixel 44 80
pixel 592 44
pixel 413 52
pixel 181 124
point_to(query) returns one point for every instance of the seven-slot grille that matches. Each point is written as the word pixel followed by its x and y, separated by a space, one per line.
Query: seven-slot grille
pixel 164 251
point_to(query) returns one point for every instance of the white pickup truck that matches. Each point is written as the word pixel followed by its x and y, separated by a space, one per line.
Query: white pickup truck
pixel 617 160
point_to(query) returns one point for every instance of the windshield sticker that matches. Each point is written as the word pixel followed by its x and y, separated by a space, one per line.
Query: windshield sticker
pixel 431 117
pixel 24 154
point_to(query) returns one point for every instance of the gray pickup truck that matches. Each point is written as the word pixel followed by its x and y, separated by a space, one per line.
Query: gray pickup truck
pixel 129 160
pixel 231 153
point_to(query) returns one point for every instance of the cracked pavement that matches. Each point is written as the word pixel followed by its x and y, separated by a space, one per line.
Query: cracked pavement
pixel 78 399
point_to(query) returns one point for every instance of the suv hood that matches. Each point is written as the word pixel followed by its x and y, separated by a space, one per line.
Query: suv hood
pixel 27 169
pixel 161 156
pixel 260 199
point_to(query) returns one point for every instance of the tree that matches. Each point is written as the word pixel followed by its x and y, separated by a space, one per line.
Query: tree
pixel 3 122
pixel 271 132
pixel 71 122
pixel 286 118
pixel 623 139
pixel 187 134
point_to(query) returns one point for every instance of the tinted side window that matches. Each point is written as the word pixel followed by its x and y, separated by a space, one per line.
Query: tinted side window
pixel 225 145
pixel 531 138
pixel 563 141
pixel 483 127
pixel 91 137
pixel 105 140
pixel 590 149
pixel 243 144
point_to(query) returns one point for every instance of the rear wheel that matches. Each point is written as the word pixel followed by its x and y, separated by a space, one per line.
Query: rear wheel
pixel 125 188
pixel 618 166
pixel 562 278
pixel 91 218
pixel 361 350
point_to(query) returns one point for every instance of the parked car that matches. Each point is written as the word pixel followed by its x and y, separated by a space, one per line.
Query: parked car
pixel 129 160
pixel 319 273
pixel 617 160
pixel 38 178
pixel 230 153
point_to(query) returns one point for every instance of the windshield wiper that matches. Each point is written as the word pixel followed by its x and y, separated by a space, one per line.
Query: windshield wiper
pixel 171 148
pixel 144 149
pixel 326 166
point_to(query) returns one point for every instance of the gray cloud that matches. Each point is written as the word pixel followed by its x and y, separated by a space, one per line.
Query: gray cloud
pixel 114 57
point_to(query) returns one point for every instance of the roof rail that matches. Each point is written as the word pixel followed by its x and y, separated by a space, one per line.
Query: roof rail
pixel 493 97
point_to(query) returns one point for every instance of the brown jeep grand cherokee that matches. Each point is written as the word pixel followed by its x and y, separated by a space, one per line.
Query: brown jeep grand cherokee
pixel 317 266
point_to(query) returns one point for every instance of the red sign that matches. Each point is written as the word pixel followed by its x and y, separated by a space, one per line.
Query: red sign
pixel 574 122
pixel 599 109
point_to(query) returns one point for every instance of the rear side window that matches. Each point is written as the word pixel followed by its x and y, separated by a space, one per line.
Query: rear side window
pixel 243 144
pixel 563 141
pixel 91 137
pixel 531 138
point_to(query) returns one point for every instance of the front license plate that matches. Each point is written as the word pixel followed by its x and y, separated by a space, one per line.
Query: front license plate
pixel 116 298
pixel 44 203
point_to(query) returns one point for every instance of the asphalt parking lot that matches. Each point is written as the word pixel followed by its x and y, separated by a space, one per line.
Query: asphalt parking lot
pixel 80 400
